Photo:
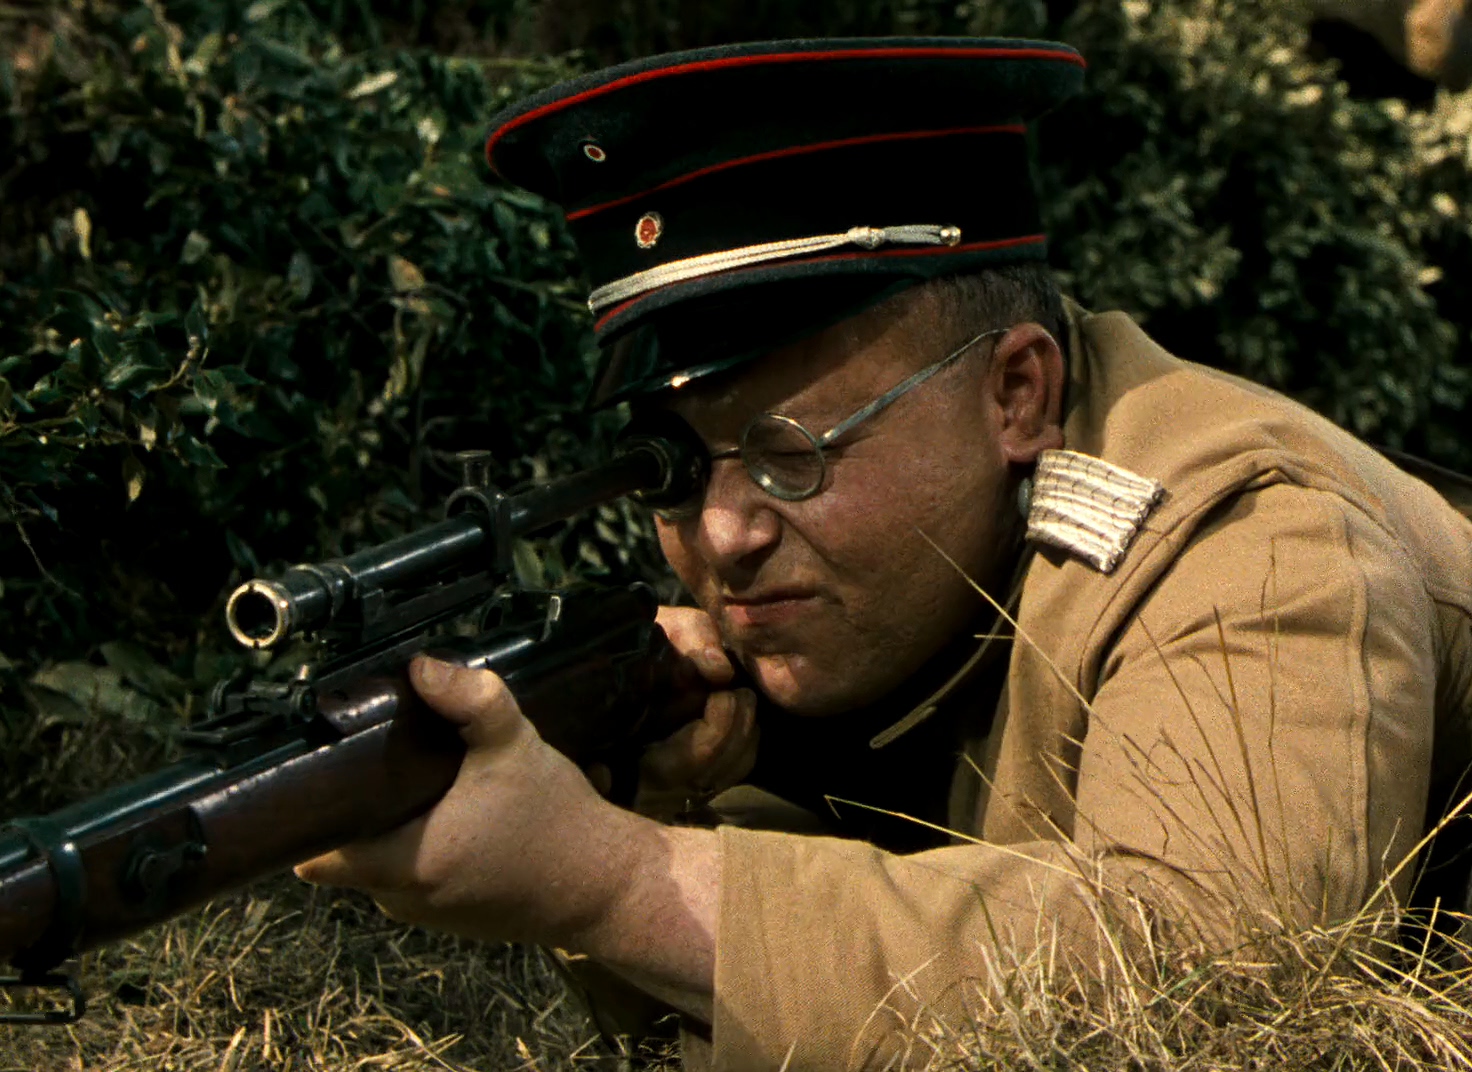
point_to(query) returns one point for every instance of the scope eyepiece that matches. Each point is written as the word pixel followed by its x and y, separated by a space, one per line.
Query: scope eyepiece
pixel 259 614
pixel 683 457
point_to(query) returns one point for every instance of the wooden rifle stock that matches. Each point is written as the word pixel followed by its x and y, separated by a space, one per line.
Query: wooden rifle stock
pixel 593 672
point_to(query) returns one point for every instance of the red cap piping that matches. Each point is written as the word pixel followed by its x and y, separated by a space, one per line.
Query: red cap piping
pixel 774 58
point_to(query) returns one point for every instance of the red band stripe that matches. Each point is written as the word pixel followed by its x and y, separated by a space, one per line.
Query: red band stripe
pixel 972 247
pixel 774 58
pixel 796 150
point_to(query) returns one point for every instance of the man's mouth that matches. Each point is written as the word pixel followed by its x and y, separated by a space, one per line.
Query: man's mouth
pixel 774 606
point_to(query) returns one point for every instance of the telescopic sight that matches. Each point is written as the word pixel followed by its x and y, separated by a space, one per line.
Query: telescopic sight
pixel 258 614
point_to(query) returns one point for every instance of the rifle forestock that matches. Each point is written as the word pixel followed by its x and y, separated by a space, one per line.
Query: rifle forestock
pixel 595 675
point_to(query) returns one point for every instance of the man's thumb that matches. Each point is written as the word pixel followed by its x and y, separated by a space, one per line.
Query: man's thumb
pixel 476 701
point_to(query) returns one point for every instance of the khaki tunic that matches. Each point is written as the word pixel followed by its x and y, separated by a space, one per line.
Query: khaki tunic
pixel 1239 718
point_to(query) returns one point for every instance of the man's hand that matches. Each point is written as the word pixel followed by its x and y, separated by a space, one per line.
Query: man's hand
pixel 713 753
pixel 522 848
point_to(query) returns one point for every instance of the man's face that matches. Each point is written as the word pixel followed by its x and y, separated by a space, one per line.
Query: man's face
pixel 833 601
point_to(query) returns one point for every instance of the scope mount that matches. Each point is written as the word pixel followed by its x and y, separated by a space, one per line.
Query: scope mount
pixel 477 494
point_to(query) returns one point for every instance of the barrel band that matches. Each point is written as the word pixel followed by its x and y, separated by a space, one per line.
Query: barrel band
pixel 68 913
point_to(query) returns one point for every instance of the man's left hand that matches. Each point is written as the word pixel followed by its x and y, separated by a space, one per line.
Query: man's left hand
pixel 521 847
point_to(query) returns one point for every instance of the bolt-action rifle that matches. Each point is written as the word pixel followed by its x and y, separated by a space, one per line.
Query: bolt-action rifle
pixel 280 771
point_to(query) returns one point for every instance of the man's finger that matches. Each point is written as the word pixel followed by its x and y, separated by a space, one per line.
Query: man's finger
pixel 715 728
pixel 477 701
pixel 380 863
pixel 711 753
pixel 669 764
pixel 738 750
pixel 694 635
pixel 685 758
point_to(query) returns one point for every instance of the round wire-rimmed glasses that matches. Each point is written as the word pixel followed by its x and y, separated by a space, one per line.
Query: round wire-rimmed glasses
pixel 789 462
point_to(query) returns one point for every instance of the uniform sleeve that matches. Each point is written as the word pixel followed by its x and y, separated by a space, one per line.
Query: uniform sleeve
pixel 1259 743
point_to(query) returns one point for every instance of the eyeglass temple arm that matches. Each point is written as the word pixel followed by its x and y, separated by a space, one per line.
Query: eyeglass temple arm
pixel 899 389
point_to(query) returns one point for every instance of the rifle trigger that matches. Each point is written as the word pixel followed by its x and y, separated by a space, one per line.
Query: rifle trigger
pixel 46 981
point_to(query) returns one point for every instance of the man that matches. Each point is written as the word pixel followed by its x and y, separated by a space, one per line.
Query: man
pixel 1237 629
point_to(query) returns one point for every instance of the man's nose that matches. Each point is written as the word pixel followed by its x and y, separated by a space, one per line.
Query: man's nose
pixel 737 518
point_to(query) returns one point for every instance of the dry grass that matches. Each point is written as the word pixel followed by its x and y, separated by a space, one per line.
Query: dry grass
pixel 282 976
pixel 289 977
pixel 286 977
pixel 1363 996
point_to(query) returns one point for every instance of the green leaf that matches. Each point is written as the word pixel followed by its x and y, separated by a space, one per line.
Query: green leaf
pixel 197 326
pixel 141 671
pixel 42 396
pixel 94 690
pixel 235 375
pixel 285 55
pixel 196 453
pixel 134 376
pixel 106 342
pixel 528 567
pixel 89 416
pixel 210 387
pixel 299 275
pixel 373 84
pixel 196 246
pixel 82 228
pixel 204 54
pixel 262 10
pixel 133 475
pixel 241 553
pixel 52 708
pixel 147 428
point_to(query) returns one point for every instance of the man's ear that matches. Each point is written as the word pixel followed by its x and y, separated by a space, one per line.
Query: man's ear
pixel 1026 383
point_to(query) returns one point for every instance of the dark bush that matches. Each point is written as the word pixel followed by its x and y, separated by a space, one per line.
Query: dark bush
pixel 254 292
pixel 255 287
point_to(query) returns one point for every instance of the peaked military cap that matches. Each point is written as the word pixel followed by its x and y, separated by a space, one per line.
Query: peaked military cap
pixel 727 200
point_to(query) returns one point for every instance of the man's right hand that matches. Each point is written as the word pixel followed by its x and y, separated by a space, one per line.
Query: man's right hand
pixel 716 751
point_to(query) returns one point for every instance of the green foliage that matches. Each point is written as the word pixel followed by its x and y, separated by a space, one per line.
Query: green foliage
pixel 256 289
pixel 1225 189
pixel 254 293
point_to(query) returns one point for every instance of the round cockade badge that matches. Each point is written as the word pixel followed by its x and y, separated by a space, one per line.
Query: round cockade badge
pixel 648 230
pixel 594 152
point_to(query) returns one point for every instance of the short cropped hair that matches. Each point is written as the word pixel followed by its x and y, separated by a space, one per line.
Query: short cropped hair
pixel 998 298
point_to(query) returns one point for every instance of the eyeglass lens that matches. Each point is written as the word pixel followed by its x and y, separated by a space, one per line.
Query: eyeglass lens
pixel 782 457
